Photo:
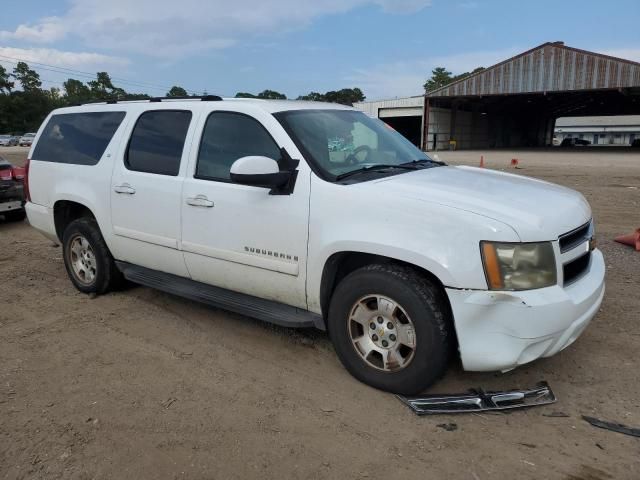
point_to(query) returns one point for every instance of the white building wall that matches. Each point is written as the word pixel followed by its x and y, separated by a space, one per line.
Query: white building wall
pixel 372 108
pixel 602 138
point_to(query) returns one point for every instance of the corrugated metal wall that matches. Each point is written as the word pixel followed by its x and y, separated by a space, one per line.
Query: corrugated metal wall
pixel 549 68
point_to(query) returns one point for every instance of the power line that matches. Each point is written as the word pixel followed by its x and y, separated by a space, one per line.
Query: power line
pixel 83 76
pixel 14 60
pixel 92 76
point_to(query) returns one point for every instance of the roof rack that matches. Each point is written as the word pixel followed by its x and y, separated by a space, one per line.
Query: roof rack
pixel 202 98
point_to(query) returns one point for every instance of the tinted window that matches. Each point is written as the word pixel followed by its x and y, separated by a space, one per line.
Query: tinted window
pixel 157 142
pixel 228 137
pixel 78 138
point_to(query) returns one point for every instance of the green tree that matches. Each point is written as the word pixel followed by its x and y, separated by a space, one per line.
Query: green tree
pixel 312 97
pixel 177 91
pixel 76 92
pixel 265 94
pixel 6 85
pixel 272 95
pixel 439 78
pixel 346 96
pixel 29 79
pixel 102 88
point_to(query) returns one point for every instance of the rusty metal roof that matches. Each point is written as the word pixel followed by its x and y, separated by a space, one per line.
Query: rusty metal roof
pixel 550 67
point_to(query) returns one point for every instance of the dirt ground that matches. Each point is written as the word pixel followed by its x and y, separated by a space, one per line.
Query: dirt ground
pixel 141 384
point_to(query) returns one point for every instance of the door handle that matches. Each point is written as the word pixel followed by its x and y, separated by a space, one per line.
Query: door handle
pixel 199 201
pixel 124 188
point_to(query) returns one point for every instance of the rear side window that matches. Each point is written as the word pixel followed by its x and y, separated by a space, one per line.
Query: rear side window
pixel 157 142
pixel 77 138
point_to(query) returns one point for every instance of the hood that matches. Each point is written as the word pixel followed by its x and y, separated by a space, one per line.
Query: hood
pixel 535 209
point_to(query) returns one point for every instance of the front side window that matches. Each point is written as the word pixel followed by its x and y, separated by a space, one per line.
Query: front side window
pixel 339 142
pixel 77 138
pixel 228 136
pixel 157 142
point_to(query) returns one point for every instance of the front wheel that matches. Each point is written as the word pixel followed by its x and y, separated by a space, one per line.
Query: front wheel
pixel 389 326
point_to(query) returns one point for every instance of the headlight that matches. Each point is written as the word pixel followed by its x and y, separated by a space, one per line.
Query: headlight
pixel 518 266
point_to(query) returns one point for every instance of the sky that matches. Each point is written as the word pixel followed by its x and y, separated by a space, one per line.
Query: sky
pixel 385 47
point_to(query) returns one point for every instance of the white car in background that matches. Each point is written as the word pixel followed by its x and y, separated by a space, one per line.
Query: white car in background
pixel 8 141
pixel 248 205
pixel 27 139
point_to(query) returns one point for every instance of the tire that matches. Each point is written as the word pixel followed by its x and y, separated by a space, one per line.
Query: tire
pixel 409 305
pixel 15 215
pixel 82 242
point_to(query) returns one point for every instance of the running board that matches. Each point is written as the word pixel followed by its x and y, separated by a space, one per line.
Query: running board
pixel 259 308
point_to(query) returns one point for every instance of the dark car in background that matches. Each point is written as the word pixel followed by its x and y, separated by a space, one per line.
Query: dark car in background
pixel 574 142
pixel 11 191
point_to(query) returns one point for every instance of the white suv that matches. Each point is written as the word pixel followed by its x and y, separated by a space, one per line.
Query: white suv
pixel 315 215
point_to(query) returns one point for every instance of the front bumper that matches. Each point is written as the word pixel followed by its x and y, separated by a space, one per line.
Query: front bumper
pixel 502 330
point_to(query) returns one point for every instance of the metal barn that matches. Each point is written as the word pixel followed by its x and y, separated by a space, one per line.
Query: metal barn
pixel 515 103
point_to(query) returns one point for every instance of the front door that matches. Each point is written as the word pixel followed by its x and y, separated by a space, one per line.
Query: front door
pixel 146 192
pixel 239 237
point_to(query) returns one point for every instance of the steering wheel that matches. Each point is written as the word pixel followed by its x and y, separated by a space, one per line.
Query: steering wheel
pixel 353 159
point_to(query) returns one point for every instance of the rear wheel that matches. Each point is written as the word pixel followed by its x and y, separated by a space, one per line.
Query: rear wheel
pixel 389 326
pixel 87 259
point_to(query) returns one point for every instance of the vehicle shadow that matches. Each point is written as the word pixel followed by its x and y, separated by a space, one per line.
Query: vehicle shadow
pixel 8 221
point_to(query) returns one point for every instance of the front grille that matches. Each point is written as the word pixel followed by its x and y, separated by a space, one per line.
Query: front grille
pixel 575 269
pixel 575 237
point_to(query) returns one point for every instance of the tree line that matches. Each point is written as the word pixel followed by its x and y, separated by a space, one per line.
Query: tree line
pixel 346 96
pixel 24 103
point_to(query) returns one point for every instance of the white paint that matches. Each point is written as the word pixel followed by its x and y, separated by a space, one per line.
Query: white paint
pixel 276 246
pixel 254 165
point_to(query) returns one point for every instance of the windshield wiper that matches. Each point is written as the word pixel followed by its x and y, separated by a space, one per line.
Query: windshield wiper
pixel 380 166
pixel 422 161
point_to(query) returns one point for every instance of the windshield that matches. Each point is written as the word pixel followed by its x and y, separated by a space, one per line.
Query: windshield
pixel 342 141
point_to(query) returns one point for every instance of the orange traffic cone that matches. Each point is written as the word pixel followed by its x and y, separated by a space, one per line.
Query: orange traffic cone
pixel 481 161
pixel 633 239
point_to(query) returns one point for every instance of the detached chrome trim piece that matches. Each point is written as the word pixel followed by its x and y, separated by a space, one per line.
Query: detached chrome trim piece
pixel 477 400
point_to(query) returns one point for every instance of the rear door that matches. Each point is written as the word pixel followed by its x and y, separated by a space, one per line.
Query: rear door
pixel 146 190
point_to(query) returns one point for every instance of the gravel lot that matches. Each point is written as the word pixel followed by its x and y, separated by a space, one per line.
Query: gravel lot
pixel 141 384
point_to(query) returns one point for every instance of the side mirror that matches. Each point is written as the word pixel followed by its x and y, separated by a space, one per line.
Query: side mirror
pixel 259 172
